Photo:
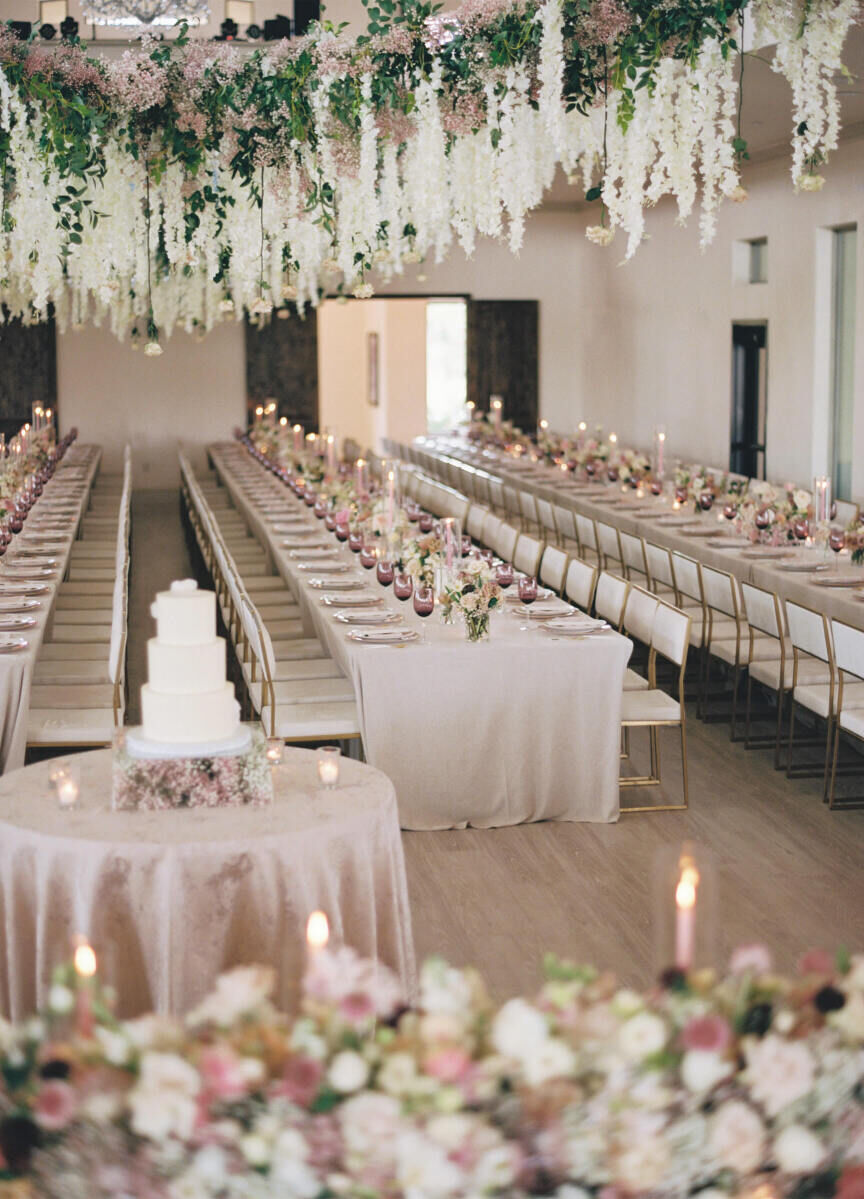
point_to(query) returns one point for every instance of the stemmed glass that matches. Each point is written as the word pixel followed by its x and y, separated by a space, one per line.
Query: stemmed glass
pixel 403 585
pixel 706 501
pixel 368 557
pixel 504 575
pixel 385 572
pixel 342 531
pixel 837 542
pixel 730 511
pixel 426 522
pixel 355 541
pixel 527 595
pixel 424 604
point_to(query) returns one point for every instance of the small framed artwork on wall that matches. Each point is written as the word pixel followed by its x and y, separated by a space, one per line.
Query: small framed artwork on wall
pixel 372 369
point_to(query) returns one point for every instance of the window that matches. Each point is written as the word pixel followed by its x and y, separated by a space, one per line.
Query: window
pixel 758 272
pixel 844 251
pixel 446 363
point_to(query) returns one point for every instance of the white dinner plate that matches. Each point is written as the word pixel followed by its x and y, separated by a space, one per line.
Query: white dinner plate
pixel 547 610
pixel 699 531
pixel 33 572
pixel 11 624
pixel 18 605
pixel 21 558
pixel 12 645
pixel 804 567
pixel 574 626
pixel 308 554
pixel 8 587
pixel 319 564
pixel 830 580
pixel 371 618
pixel 359 600
pixel 767 551
pixel 383 636
pixel 512 597
pixel 337 584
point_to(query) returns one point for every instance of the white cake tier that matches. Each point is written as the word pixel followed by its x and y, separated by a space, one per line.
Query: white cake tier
pixel 184 615
pixel 185 669
pixel 178 719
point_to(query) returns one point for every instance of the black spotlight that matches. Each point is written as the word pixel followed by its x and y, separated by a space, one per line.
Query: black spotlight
pixel 305 12
pixel 277 28
pixel 253 32
pixel 48 32
pixel 228 31
pixel 21 29
pixel 68 29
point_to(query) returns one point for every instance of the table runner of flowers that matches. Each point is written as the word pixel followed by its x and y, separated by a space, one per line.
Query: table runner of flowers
pixel 706 1084
pixel 189 181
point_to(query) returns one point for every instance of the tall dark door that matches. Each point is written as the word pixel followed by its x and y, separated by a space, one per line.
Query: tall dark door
pixel 749 400
pixel 28 371
pixel 282 364
pixel 502 357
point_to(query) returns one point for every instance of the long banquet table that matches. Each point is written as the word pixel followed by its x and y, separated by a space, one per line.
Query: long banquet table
pixel 56 514
pixel 169 899
pixel 606 502
pixel 523 727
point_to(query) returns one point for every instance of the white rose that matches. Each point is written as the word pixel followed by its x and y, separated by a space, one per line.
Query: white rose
pixel 236 994
pixel 855 977
pixel 737 1137
pixel 114 1045
pixel 702 1069
pixel 398 1074
pixel 802 498
pixel 288 1166
pixel 60 1000
pixel 450 1131
pixel 554 1059
pixel 519 1030
pixel 163 1102
pixel 627 1003
pixel 255 1149
pixel 210 1165
pixel 424 1169
pixel 798 1151
pixel 641 1036
pixel 779 1072
pixel 348 1072
pixel 849 1021
pixel 34 1030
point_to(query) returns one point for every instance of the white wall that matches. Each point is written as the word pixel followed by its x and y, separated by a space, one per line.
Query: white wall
pixel 194 393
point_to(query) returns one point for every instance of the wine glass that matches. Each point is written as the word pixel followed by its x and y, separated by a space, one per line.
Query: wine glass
pixel 706 501
pixel 355 541
pixel 527 595
pixel 310 499
pixel 320 508
pixel 504 575
pixel 801 528
pixel 368 557
pixel 424 601
pixel 426 522
pixel 837 542
pixel 762 519
pixel 612 473
pixel 403 585
pixel 730 511
pixel 590 469
pixel 656 486
pixel 385 572
pixel 330 522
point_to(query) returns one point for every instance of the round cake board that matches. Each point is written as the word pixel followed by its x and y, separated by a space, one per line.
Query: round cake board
pixel 139 746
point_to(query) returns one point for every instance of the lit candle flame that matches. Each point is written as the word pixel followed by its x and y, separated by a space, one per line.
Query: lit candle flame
pixel 85 960
pixel 259 411
pixel 297 429
pixel 661 436
pixel 283 421
pixel 582 426
pixel 685 892
pixel 613 437
pixel 544 424
pixel 317 931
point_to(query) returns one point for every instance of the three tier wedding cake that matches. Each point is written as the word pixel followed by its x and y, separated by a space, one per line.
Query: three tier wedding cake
pixel 191 749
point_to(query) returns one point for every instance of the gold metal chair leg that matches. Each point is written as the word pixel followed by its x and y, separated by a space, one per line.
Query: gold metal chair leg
pixel 777 742
pixel 791 735
pixel 684 766
pixel 833 784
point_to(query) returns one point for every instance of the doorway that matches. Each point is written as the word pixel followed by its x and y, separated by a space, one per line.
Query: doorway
pixel 749 399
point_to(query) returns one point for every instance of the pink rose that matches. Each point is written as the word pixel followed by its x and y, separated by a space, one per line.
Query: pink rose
pixel 448 1065
pixel 711 1033
pixel 816 961
pixel 357 1008
pixel 851 1184
pixel 222 1074
pixel 750 959
pixel 302 1079
pixel 55 1105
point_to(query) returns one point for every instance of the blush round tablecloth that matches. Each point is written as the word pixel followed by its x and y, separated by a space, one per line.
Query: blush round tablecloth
pixel 170 899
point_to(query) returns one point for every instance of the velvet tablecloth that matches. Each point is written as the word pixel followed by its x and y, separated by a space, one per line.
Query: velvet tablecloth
pixel 170 899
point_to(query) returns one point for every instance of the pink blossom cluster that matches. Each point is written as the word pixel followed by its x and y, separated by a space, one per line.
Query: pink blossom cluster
pixel 604 23
pixel 477 14
pixel 465 115
pixel 138 83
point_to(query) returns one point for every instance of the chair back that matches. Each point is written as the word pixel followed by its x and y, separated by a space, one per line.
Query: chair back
pixel 528 507
pixel 610 598
pixel 720 591
pixel 687 577
pixel 809 632
pixel 659 563
pixel 848 648
pixel 553 568
pixel 580 583
pixel 633 554
pixel 491 527
pixel 608 542
pixel 547 517
pixel 640 609
pixel 474 524
pixel 762 609
pixel 496 493
pixel 565 519
pixel 586 532
pixel 504 544
pixel 671 634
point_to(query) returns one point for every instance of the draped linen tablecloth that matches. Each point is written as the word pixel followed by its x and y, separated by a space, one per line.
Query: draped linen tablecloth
pixel 170 899
pixel 518 728
pixel 641 520
pixel 71 482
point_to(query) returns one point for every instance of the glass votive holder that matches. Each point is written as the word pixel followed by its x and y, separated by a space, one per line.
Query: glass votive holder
pixel 66 780
pixel 328 766
pixel 275 750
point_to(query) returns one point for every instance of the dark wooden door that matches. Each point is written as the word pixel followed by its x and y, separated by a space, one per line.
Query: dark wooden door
pixel 282 364
pixel 747 440
pixel 502 357
pixel 28 371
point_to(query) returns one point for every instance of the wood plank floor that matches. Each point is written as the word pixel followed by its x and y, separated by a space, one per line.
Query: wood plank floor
pixel 789 872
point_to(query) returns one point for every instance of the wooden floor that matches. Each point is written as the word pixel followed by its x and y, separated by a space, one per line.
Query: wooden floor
pixel 789 872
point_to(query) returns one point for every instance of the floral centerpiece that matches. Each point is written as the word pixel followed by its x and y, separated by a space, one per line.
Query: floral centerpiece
pixel 769 514
pixel 748 1084
pixel 474 592
pixel 855 540
pixel 633 465
pixel 421 556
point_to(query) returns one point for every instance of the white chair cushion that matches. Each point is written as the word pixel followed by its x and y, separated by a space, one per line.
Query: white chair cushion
pixel 105 588
pixel 83 616
pixel 265 583
pixel 303 668
pixel 60 726
pixel 634 681
pixel 71 672
pixel 298 649
pixel 284 628
pixel 852 721
pixel 306 691
pixel 91 574
pixel 70 651
pixel 311 721
pixel 84 633
pixel 72 695
pixel 810 670
pixel 649 707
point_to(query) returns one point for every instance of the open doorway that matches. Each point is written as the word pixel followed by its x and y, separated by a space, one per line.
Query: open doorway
pixel 446 363
pixel 747 449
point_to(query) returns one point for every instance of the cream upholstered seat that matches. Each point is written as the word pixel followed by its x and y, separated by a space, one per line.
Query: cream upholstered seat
pixel 73 672
pixel 580 583
pixel 546 515
pixel 504 544
pixel 633 557
pixel 610 597
pixel 654 709
pixel 660 577
pixel 307 691
pixel 58 651
pixel 565 522
pixel 553 568
pixel 640 610
pixel 586 533
pixel 527 554
pixel 810 635
pixel 62 727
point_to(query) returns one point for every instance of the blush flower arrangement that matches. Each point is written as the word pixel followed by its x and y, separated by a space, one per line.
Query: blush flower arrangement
pixel 473 591
pixel 747 1084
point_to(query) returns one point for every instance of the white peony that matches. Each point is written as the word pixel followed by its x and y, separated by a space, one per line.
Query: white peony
pixel 163 1101
pixel 641 1036
pixel 553 1059
pixel 256 1149
pixel 237 993
pixel 60 1000
pixel 348 1072
pixel 802 499
pixel 798 1151
pixel 423 1168
pixel 289 1168
pixel 702 1070
pixel 779 1072
pixel 114 1045
pixel 849 1020
pixel 737 1137
pixel 398 1075
pixel 519 1031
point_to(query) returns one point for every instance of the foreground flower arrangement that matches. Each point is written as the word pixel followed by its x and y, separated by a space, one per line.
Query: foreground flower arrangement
pixel 746 1084
pixel 188 181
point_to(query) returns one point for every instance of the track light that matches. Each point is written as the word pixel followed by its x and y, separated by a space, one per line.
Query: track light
pixel 69 29
pixel 228 31
pixel 21 29
pixel 254 32
pixel 277 28
pixel 47 32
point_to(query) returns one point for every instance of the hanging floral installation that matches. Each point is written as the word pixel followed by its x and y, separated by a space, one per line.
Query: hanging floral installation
pixel 191 180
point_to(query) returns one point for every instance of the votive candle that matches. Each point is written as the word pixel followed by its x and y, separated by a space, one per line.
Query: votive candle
pixel 328 765
pixel 85 969
pixel 317 936
pixel 685 914
pixel 297 430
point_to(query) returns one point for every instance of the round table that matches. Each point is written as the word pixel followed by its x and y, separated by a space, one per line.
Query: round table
pixel 170 899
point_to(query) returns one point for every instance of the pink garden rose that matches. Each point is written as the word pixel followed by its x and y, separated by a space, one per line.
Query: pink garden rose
pixel 710 1033
pixel 816 961
pixel 55 1105
pixel 222 1074
pixel 302 1079
pixel 448 1065
pixel 751 959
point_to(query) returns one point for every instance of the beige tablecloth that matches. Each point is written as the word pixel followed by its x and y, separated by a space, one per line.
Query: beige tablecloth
pixel 71 482
pixel 169 899
pixel 519 728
